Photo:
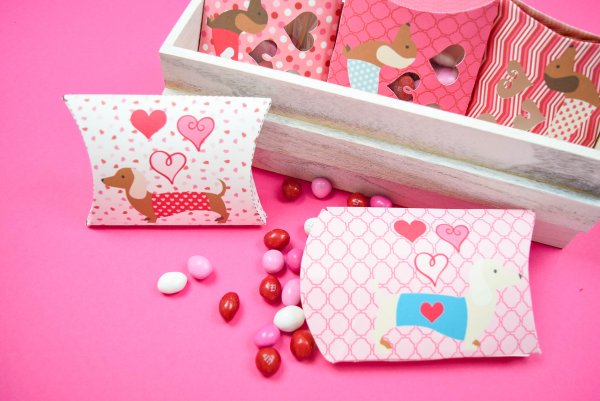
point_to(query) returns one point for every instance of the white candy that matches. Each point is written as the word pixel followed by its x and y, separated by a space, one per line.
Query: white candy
pixel 308 224
pixel 171 282
pixel 289 318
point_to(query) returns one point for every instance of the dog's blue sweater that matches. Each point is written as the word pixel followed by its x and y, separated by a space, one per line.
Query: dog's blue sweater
pixel 451 322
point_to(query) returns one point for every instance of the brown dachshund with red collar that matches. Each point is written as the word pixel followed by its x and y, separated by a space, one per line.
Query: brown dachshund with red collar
pixel 165 204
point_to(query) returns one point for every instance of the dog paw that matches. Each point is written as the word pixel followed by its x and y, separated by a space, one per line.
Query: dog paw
pixel 383 348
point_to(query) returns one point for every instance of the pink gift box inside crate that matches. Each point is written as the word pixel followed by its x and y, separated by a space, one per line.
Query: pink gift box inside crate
pixel 434 60
pixel 294 36
pixel 540 75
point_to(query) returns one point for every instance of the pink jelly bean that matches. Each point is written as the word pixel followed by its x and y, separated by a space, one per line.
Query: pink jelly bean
pixel 273 261
pixel 293 259
pixel 267 336
pixel 321 187
pixel 199 267
pixel 380 201
pixel 291 292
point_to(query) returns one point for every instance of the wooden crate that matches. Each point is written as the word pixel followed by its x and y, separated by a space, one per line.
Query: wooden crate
pixel 416 155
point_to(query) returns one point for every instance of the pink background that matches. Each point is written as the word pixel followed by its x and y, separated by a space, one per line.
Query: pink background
pixel 79 314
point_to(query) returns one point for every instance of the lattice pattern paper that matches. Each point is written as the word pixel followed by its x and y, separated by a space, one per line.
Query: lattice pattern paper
pixel 414 284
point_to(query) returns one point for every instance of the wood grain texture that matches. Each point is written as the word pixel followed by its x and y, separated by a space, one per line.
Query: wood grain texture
pixel 417 155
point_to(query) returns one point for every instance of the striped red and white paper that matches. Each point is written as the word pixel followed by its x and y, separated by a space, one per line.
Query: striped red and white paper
pixel 533 39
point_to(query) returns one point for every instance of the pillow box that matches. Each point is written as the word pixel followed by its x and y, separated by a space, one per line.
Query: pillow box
pixel 400 284
pixel 427 52
pixel 294 36
pixel 541 76
pixel 171 160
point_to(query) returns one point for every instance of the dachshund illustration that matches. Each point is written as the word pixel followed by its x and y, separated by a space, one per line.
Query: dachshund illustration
pixel 581 95
pixel 156 205
pixel 366 59
pixel 400 53
pixel 228 26
pixel 253 20
pixel 462 318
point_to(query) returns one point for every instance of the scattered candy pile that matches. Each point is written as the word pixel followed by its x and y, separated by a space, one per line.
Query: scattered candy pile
pixel 290 318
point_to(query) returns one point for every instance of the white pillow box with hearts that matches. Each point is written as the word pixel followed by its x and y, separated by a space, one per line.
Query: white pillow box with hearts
pixel 397 284
pixel 171 160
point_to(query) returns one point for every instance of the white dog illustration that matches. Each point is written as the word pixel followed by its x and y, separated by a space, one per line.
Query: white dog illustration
pixel 462 318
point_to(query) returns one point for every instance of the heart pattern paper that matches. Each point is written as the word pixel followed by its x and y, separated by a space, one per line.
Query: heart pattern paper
pixel 293 36
pixel 415 284
pixel 171 160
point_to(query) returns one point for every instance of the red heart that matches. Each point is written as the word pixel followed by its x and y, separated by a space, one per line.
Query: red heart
pixel 430 312
pixel 148 124
pixel 410 231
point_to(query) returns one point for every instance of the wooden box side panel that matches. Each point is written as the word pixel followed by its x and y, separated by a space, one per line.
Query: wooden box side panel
pixel 458 137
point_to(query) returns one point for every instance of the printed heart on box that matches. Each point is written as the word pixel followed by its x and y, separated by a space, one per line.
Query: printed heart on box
pixel 410 231
pixel 432 312
pixel 148 124
pixel 196 131
pixel 167 164
pixel 455 236
pixel 431 266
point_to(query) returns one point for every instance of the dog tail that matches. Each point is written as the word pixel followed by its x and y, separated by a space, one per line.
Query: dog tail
pixel 223 188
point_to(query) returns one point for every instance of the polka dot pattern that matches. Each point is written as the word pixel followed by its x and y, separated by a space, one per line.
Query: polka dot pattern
pixel 226 154
pixel 313 63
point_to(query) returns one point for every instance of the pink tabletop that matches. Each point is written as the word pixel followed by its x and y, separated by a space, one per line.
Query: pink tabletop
pixel 80 317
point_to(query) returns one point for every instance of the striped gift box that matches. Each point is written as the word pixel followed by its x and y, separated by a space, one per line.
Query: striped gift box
pixel 541 76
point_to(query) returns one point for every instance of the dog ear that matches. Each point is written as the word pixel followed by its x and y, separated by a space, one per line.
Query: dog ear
pixel 139 185
pixel 480 291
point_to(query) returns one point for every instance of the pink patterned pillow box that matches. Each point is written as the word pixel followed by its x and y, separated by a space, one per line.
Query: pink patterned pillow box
pixel 398 284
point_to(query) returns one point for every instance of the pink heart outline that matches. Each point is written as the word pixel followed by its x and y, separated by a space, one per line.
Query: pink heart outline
pixel 431 267
pixel 164 164
pixel 455 236
pixel 195 131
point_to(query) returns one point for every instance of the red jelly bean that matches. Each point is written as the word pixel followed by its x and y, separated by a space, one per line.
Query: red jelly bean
pixel 291 189
pixel 229 305
pixel 302 344
pixel 270 289
pixel 268 361
pixel 277 239
pixel 358 200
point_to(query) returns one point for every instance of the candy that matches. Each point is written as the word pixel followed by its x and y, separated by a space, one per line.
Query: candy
pixel 273 261
pixel 199 267
pixel 358 200
pixel 267 336
pixel 293 259
pixel 302 344
pixel 380 201
pixel 229 305
pixel 270 289
pixel 277 239
pixel 289 318
pixel 291 292
pixel 291 189
pixel 171 282
pixel 308 224
pixel 268 361
pixel 321 187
